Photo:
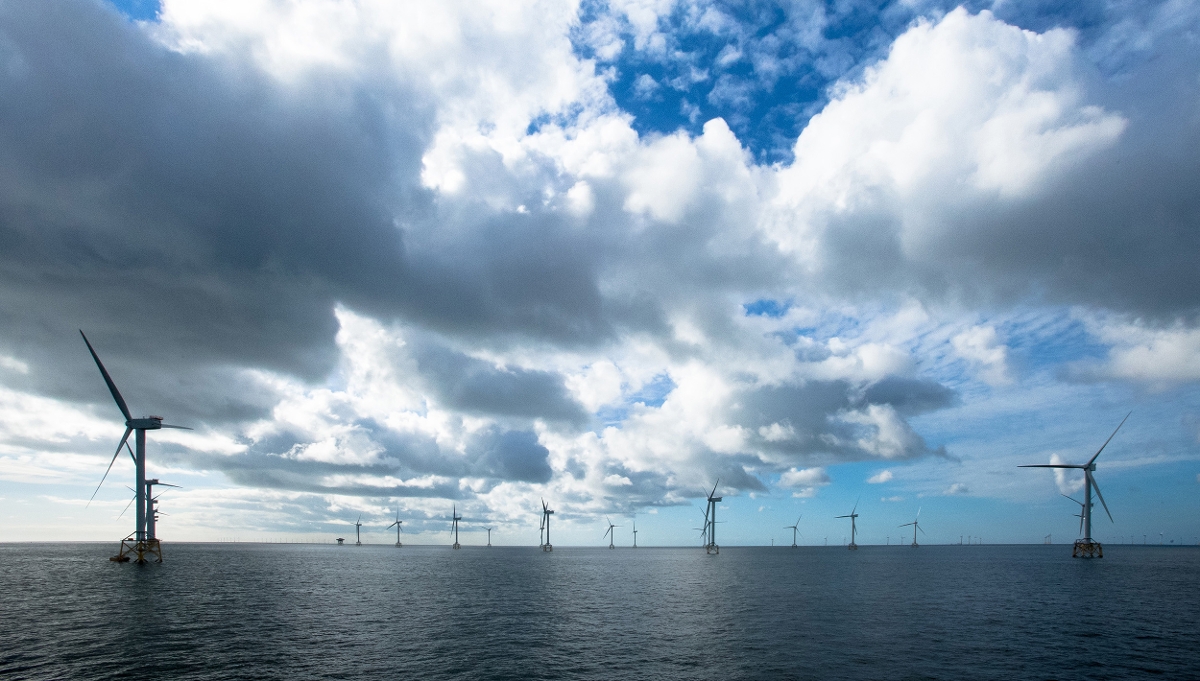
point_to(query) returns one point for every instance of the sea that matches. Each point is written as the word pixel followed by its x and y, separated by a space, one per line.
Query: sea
pixel 308 611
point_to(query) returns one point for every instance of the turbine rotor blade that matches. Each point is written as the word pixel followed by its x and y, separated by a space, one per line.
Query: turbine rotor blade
pixel 110 463
pixel 1110 437
pixel 1051 465
pixel 1072 499
pixel 1098 494
pixel 167 425
pixel 112 387
pixel 127 506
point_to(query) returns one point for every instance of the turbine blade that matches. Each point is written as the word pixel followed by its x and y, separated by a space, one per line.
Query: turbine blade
pixel 167 425
pixel 1099 495
pixel 110 463
pixel 127 506
pixel 1080 523
pixel 112 387
pixel 131 454
pixel 919 528
pixel 1110 437
pixel 1050 465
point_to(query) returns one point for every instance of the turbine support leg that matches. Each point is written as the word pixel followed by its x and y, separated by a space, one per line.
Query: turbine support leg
pixel 1086 548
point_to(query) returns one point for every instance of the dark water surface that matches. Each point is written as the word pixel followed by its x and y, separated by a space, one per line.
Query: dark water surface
pixel 229 611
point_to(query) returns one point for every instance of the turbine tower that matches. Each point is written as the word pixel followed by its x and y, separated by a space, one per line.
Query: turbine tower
pixel 915 527
pixel 710 522
pixel 489 529
pixel 853 526
pixel 357 535
pixel 609 533
pixel 152 507
pixel 1087 547
pixel 635 533
pixel 546 513
pixel 456 517
pixel 795 530
pixel 397 526
pixel 139 544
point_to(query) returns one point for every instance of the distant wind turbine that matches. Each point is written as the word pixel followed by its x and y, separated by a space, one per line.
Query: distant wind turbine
pixel 1086 547
pixel 915 527
pixel 138 544
pixel 397 526
pixel 546 513
pixel 795 530
pixel 853 515
pixel 635 533
pixel 609 532
pixel 456 517
pixel 357 531
pixel 489 531
pixel 710 521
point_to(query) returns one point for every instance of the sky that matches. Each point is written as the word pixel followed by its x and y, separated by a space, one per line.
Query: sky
pixel 399 259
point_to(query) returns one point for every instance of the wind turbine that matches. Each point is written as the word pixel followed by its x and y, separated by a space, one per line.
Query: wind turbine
pixel 456 517
pixel 138 543
pixel 795 529
pixel 635 533
pixel 710 521
pixel 1080 514
pixel 609 533
pixel 1086 547
pixel 357 527
pixel 152 507
pixel 397 526
pixel 915 527
pixel 489 530
pixel 546 513
pixel 853 525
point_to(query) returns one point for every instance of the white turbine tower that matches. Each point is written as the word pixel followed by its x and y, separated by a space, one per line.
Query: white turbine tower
pixel 795 530
pixel 609 533
pixel 397 526
pixel 357 531
pixel 915 527
pixel 1087 547
pixel 853 515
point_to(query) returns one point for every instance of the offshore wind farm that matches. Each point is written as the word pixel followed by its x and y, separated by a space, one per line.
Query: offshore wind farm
pixel 636 284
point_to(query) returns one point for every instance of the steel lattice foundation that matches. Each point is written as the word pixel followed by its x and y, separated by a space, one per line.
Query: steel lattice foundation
pixel 712 549
pixel 1085 548
pixel 138 551
pixel 547 548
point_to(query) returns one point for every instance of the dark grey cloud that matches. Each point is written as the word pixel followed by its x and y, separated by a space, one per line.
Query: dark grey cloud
pixel 808 416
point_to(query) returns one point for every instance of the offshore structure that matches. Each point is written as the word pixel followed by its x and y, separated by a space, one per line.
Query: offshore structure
pixel 152 511
pixel 545 527
pixel 1086 547
pixel 710 522
pixel 915 527
pixel 455 517
pixel 397 526
pixel 143 542
pixel 795 530
pixel 489 531
pixel 609 533
pixel 853 526
pixel 635 533
pixel 357 534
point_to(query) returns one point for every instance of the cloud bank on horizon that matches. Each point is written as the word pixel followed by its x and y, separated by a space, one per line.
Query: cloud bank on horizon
pixel 487 251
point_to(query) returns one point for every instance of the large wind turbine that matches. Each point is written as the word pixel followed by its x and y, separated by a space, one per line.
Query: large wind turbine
pixel 152 507
pixel 397 526
pixel 357 528
pixel 853 525
pixel 1086 547
pixel 456 517
pixel 546 513
pixel 795 530
pixel 915 527
pixel 710 521
pixel 609 532
pixel 139 543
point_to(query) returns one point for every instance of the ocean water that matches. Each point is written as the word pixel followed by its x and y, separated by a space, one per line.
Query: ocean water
pixel 262 611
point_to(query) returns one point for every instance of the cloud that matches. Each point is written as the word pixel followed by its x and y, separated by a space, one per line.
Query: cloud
pixel 980 346
pixel 891 499
pixel 957 488
pixel 880 477
pixel 805 481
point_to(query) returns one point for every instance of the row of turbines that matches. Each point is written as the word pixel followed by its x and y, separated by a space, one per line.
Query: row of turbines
pixel 143 543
